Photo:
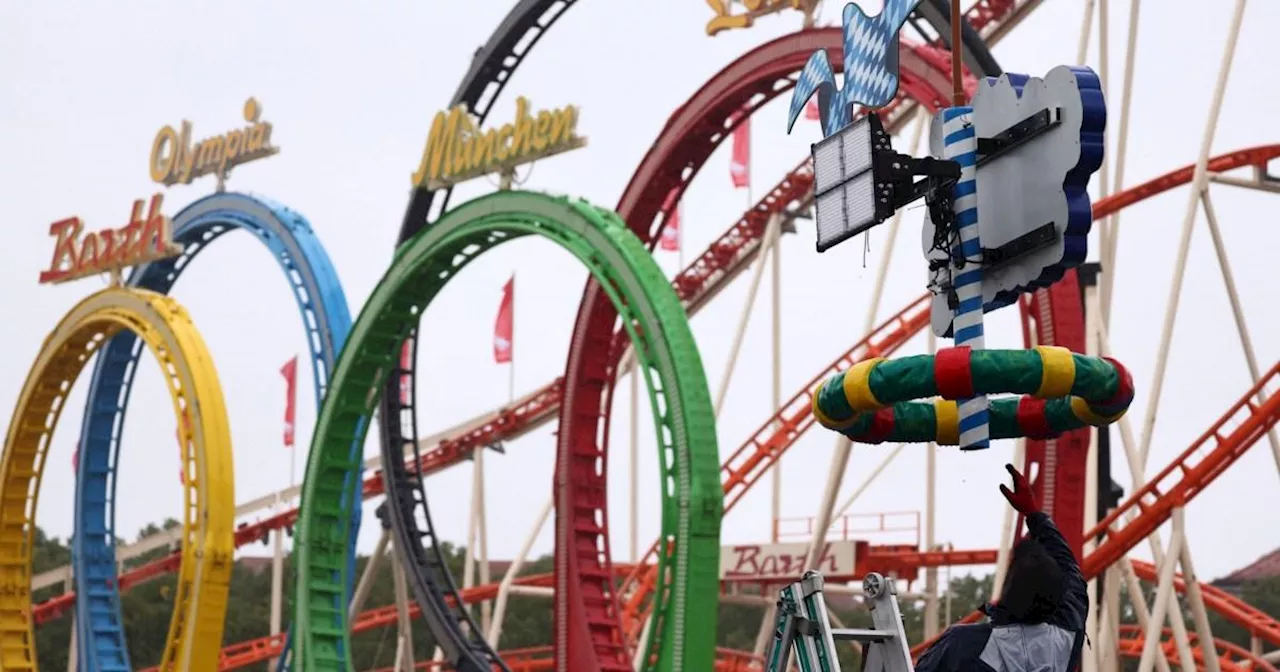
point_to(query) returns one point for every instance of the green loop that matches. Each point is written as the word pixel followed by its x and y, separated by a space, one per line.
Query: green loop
pixel 666 356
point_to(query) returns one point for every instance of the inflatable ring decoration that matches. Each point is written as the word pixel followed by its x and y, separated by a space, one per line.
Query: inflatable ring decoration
pixel 872 402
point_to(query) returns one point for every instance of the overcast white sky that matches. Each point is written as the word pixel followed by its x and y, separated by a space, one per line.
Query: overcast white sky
pixel 351 94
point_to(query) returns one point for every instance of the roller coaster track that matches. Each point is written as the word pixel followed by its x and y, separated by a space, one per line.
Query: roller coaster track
pixel 688 139
pixel 408 509
pixel 704 276
pixel 204 567
pixel 542 401
pixel 326 319
pixel 489 72
pixel 666 356
pixel 777 433
pixel 1230 656
pixel 744 237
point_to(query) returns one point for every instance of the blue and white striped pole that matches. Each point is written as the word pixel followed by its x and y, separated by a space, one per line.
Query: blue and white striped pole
pixel 960 144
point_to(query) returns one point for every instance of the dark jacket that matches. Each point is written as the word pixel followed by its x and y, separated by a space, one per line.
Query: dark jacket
pixel 1000 645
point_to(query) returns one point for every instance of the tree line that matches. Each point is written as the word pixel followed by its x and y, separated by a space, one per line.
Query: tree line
pixel 147 608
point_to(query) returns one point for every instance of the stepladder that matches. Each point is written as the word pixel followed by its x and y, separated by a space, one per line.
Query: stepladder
pixel 803 627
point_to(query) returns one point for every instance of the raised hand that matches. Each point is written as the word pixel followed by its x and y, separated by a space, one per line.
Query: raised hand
pixel 1022 499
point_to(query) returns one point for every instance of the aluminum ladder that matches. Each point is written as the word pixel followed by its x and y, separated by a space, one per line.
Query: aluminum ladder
pixel 803 625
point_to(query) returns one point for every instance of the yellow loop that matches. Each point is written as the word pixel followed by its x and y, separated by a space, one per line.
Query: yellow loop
pixel 1058 372
pixel 208 542
pixel 826 421
pixel 1080 408
pixel 947 415
pixel 857 386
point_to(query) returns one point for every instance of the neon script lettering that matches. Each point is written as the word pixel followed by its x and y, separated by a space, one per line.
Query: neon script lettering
pixel 457 151
pixel 175 160
pixel 141 241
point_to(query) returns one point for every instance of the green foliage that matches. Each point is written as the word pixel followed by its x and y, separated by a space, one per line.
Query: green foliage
pixel 147 609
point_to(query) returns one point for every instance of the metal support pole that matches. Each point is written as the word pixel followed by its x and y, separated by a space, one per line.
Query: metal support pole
pixel 776 399
pixel 72 653
pixel 1195 598
pixel 1164 595
pixel 1200 176
pixel 277 583
pixel 839 462
pixel 1105 234
pixel 1122 145
pixel 1138 601
pixel 367 577
pixel 1090 660
pixel 931 625
pixel 1228 279
pixel 504 588
pixel 1137 469
pixel 766 242
pixel 1086 31
pixel 404 629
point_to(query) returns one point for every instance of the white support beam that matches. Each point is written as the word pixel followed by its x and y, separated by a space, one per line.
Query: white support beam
pixel 404 625
pixel 1160 610
pixel 1195 598
pixel 517 564
pixel 767 240
pixel 1237 310
pixel 1199 178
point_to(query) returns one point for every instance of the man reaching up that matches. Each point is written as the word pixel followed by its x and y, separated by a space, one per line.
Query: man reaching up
pixel 1038 623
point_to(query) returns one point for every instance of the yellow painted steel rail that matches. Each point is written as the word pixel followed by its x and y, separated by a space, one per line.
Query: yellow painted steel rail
pixel 200 603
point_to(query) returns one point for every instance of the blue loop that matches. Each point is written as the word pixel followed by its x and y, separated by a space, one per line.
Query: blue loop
pixel 327 320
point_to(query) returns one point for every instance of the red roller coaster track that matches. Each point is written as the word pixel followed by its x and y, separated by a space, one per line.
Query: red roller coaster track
pixel 589 633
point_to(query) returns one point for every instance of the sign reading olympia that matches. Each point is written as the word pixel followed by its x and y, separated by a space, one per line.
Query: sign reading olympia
pixel 175 159
pixel 110 250
pixel 458 151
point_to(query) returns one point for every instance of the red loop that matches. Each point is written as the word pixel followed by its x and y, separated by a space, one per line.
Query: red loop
pixel 951 373
pixel 1032 419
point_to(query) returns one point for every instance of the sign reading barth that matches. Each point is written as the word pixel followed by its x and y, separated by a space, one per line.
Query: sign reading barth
pixel 784 562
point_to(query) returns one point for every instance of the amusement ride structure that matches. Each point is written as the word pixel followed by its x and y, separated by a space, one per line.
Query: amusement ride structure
pixel 610 616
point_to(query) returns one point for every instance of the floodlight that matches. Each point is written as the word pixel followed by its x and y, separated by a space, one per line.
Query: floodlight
pixel 850 193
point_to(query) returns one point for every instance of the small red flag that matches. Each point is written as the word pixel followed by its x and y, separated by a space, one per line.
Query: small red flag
pixel 504 325
pixel 290 373
pixel 811 110
pixel 406 361
pixel 740 164
pixel 670 241
pixel 75 458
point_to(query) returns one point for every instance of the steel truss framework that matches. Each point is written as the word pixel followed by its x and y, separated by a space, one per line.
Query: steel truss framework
pixel 993 18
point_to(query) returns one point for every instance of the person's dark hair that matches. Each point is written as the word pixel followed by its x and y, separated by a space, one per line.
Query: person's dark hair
pixel 1033 587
